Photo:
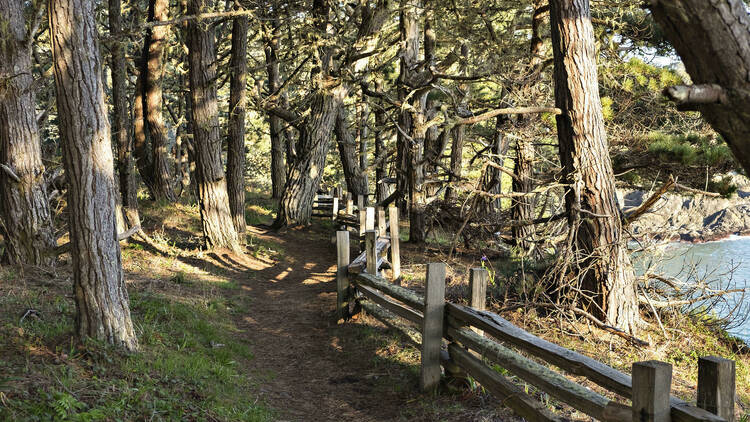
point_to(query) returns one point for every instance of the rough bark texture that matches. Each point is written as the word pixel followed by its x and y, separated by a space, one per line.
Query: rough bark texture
pixel 120 122
pixel 276 125
pixel 382 189
pixel 713 40
pixel 492 182
pixel 523 207
pixel 23 203
pixel 604 266
pixel 216 218
pixel 356 180
pixel 236 149
pixel 100 293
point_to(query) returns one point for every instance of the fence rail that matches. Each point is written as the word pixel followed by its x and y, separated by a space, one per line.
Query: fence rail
pixel 463 339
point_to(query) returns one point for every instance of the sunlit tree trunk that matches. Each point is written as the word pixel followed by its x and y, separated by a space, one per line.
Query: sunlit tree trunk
pixel 216 218
pixel 356 180
pixel 605 272
pixel 120 121
pixel 103 310
pixel 276 125
pixel 381 188
pixel 23 201
pixel 236 149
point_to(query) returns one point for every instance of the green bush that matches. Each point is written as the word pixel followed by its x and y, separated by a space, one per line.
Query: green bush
pixel 724 186
pixel 690 148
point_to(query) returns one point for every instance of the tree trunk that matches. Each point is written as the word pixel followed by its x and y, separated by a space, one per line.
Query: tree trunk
pixel 522 207
pixel 120 122
pixel 457 148
pixel 492 182
pixel 140 140
pixel 363 133
pixel 236 151
pixel 356 181
pixel 23 201
pixel 272 34
pixel 100 292
pixel 153 69
pixel 381 188
pixel 713 40
pixel 218 227
pixel 606 274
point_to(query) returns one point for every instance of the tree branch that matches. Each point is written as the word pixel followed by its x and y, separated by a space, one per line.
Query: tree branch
pixel 688 97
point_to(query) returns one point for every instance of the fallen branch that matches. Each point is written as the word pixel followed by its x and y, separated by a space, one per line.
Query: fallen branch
pixel 675 303
pixel 649 202
pixel 698 191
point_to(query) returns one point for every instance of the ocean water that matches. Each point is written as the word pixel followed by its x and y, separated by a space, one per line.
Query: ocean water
pixel 726 262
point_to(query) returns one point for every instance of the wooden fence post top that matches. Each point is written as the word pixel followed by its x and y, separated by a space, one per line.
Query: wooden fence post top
pixel 342 274
pixel 432 326
pixel 652 382
pixel 716 386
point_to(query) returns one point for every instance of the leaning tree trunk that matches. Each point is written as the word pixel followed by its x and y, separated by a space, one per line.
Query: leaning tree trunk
pixel 606 274
pixel 23 201
pixel 356 179
pixel 153 69
pixel 218 227
pixel 120 122
pixel 276 125
pixel 713 40
pixel 100 293
pixel 522 208
pixel 236 149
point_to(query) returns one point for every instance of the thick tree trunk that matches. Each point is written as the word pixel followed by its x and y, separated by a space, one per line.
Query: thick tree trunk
pixel 100 293
pixel 153 69
pixel 356 181
pixel 523 207
pixel 363 112
pixel 276 125
pixel 120 121
pixel 713 40
pixel 295 206
pixel 216 218
pixel 140 138
pixel 381 188
pixel 606 274
pixel 236 151
pixel 23 200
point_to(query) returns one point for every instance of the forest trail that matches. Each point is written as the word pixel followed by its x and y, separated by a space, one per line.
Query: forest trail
pixel 309 368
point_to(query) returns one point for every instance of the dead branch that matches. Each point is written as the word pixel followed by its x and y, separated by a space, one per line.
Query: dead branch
pixel 649 202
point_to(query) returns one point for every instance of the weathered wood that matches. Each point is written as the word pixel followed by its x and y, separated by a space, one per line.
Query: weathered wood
pixel 391 320
pixel 370 218
pixel 478 286
pixel 360 262
pixel 361 202
pixel 395 249
pixel 509 394
pixel 547 380
pixel 371 238
pixel 381 221
pixel 362 222
pixel 335 210
pixel 342 273
pixel 572 362
pixel 716 386
pixel 349 204
pixel 391 305
pixel 432 326
pixel 400 293
pixel 652 381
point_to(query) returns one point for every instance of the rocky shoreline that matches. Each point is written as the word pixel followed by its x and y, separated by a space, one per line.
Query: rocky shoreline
pixel 691 217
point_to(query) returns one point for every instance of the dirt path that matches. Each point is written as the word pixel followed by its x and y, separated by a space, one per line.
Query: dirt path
pixel 309 368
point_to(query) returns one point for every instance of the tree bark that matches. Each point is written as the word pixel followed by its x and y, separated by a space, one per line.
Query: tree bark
pixel 23 201
pixel 713 40
pixel 236 151
pixel 120 122
pixel 522 208
pixel 276 125
pixel 381 188
pixel 356 181
pixel 103 311
pixel 605 271
pixel 216 218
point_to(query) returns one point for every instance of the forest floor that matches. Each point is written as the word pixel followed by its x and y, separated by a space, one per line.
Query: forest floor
pixel 252 337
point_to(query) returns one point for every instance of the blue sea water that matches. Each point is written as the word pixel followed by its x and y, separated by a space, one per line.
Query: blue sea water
pixel 726 261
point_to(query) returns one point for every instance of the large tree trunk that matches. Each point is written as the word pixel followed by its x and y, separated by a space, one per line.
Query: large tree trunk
pixel 356 180
pixel 23 200
pixel 120 122
pixel 236 150
pixel 382 189
pixel 522 207
pixel 295 206
pixel 153 69
pixel 276 125
pixel 218 227
pixel 713 40
pixel 100 293
pixel 606 274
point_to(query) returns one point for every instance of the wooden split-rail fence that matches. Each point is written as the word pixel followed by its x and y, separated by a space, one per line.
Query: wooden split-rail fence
pixel 458 341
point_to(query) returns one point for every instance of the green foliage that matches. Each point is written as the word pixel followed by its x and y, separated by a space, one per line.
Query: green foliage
pixel 724 186
pixel 689 149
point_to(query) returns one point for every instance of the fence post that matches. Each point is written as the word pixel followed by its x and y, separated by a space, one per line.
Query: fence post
pixel 342 273
pixel 361 202
pixel 395 253
pixel 362 224
pixel 349 204
pixel 652 382
pixel 335 212
pixel 371 238
pixel 370 218
pixel 380 213
pixel 432 326
pixel 716 386
pixel 478 278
